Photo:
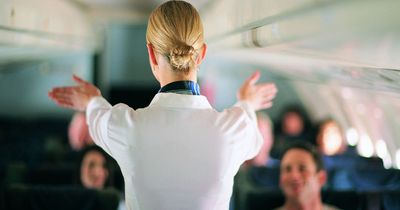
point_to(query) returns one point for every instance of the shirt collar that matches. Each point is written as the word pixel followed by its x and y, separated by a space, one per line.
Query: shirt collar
pixel 181 87
pixel 180 101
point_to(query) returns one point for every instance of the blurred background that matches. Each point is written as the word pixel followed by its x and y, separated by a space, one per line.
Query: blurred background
pixel 333 60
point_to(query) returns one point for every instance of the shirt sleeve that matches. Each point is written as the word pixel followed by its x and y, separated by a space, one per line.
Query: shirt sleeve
pixel 98 114
pixel 111 127
pixel 255 139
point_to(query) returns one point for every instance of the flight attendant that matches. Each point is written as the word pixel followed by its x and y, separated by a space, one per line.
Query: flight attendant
pixel 177 153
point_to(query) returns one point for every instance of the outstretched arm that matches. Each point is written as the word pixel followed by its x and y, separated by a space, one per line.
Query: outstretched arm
pixel 260 96
pixel 75 97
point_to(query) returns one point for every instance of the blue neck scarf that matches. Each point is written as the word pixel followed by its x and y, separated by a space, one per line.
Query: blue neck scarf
pixel 181 87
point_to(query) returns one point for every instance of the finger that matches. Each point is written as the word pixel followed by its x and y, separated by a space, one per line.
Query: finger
pixel 79 80
pixel 62 93
pixel 61 97
pixel 63 102
pixel 50 94
pixel 268 97
pixel 267 84
pixel 69 106
pixel 58 95
pixel 267 92
pixel 253 78
pixel 267 87
pixel 69 89
pixel 266 105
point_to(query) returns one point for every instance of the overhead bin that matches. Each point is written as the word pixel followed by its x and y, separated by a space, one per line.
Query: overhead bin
pixel 352 32
pixel 39 28
pixel 337 58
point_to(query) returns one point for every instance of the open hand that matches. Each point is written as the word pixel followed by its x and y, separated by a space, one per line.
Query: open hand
pixel 260 96
pixel 75 97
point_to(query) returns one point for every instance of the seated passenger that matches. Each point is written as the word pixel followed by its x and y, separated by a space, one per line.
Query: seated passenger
pixel 330 140
pixel 302 177
pixel 263 158
pixel 294 126
pixel 94 168
pixel 335 152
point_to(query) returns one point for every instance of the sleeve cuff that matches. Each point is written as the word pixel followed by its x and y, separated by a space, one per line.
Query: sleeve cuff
pixel 245 105
pixel 249 109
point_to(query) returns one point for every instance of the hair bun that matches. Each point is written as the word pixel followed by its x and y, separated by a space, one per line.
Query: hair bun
pixel 181 57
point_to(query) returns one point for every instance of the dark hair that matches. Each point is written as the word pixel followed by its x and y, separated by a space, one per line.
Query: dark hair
pixel 311 149
pixel 108 164
pixel 299 110
pixel 325 121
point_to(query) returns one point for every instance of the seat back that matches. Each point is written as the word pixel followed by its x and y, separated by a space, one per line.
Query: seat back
pixel 61 198
pixel 271 199
pixel 372 179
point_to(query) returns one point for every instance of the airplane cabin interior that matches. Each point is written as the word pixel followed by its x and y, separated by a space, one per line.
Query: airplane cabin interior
pixel 333 62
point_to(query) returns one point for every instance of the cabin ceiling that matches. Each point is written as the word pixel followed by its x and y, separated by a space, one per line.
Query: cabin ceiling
pixel 349 43
pixel 143 5
pixel 127 11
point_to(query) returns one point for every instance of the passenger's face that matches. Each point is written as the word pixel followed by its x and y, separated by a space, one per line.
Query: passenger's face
pixel 299 178
pixel 330 139
pixel 292 123
pixel 94 173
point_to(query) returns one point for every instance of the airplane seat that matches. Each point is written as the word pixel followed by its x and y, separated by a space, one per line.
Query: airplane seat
pixel 370 200
pixel 2 174
pixel 346 200
pixel 15 173
pixel 271 199
pixel 348 160
pixel 61 174
pixel 251 181
pixel 20 197
pixel 372 179
pixel 51 175
pixel 258 188
pixel 338 179
pixel 261 200
pixel 338 168
pixel 369 162
pixel 2 196
pixel 390 200
pixel 339 161
pixel 264 177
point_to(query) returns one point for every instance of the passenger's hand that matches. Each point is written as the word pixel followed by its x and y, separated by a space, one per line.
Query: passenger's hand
pixel 260 96
pixel 75 97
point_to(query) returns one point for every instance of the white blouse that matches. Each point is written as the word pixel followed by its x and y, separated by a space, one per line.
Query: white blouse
pixel 177 153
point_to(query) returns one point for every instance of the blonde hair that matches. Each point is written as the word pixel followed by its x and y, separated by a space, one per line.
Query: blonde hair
pixel 175 30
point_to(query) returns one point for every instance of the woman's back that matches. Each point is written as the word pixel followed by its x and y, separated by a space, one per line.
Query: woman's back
pixel 179 153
